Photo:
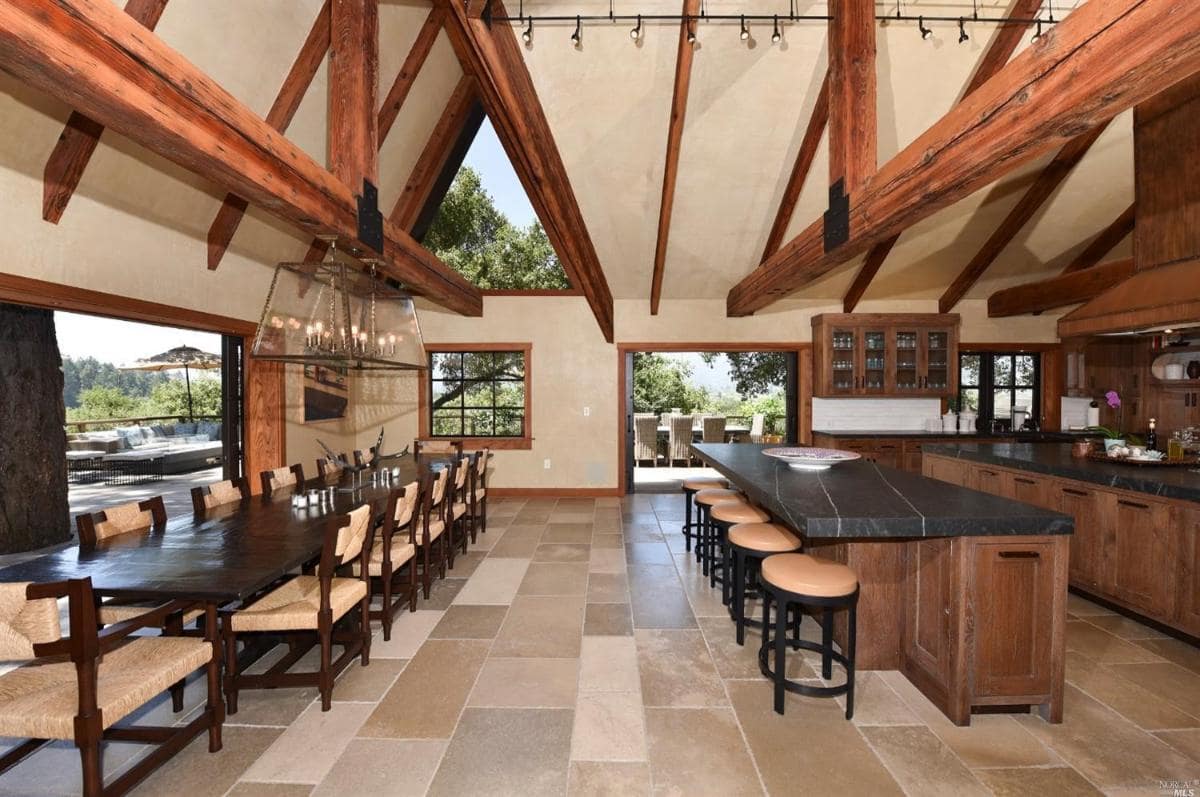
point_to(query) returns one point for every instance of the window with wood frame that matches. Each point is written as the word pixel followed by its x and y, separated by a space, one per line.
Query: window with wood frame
pixel 477 392
pixel 991 383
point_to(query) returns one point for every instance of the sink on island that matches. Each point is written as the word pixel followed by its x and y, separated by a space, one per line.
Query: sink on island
pixel 962 591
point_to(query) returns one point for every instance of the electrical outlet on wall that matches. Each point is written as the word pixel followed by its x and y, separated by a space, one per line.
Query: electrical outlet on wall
pixel 546 464
pixel 587 411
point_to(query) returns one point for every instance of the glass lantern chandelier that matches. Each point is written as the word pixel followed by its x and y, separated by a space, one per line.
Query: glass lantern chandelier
pixel 335 315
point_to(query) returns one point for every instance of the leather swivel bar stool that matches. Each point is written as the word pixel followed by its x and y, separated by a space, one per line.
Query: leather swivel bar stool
pixel 798 578
pixel 705 501
pixel 748 544
pixel 690 488
pixel 723 517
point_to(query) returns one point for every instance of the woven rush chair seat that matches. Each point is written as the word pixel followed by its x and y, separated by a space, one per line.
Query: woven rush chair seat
pixel 712 496
pixel 805 574
pixel 293 606
pixel 402 551
pixel 765 537
pixel 114 612
pixel 735 512
pixel 40 701
pixel 705 483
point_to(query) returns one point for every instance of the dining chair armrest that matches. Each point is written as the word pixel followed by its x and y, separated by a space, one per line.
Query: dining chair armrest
pixel 156 618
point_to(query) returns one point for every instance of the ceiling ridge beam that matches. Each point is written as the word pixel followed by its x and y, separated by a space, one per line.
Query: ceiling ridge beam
pixel 1043 187
pixel 92 56
pixel 1060 290
pixel 283 109
pixel 1105 57
pixel 999 50
pixel 493 57
pixel 1105 242
pixel 679 100
pixel 71 154
pixel 432 160
pixel 804 159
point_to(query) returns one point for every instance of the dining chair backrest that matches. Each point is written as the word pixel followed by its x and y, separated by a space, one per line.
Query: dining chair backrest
pixel 437 489
pixel 25 622
pixel 713 429
pixel 349 541
pixel 479 484
pixel 439 446
pixel 211 496
pixel 404 504
pixel 680 437
pixel 278 478
pixel 121 519
pixel 327 468
pixel 645 437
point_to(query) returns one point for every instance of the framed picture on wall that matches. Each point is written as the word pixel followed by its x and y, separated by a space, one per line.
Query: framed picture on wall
pixel 326 393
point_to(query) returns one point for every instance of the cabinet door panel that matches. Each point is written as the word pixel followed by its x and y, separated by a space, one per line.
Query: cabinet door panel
pixel 987 480
pixel 1088 508
pixel 1188 597
pixel 946 470
pixel 936 357
pixel 1143 561
pixel 1013 597
pixel 1027 488
pixel 845 351
pixel 927 630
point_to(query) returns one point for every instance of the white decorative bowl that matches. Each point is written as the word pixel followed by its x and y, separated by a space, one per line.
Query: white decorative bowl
pixel 800 458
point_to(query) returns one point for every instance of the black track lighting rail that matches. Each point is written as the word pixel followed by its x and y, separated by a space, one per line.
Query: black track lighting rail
pixel 690 18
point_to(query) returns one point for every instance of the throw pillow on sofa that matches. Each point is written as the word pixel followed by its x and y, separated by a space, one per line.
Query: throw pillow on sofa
pixel 184 429
pixel 209 430
pixel 132 435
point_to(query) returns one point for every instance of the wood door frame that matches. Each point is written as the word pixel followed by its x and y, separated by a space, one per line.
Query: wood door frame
pixel 803 387
pixel 264 438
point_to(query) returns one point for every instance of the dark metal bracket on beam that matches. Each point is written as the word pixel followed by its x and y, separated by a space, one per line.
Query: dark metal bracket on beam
pixel 370 220
pixel 837 218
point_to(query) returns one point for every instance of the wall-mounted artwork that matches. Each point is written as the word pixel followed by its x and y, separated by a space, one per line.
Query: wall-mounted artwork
pixel 326 393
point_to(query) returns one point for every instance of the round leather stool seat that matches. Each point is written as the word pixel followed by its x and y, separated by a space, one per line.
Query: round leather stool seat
pixel 740 513
pixel 705 483
pixel 716 495
pixel 765 537
pixel 802 574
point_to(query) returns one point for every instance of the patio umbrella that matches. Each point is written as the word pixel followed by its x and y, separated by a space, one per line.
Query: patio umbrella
pixel 185 357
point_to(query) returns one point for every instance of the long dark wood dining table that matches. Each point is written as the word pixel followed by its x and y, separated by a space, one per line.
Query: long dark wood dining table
pixel 229 555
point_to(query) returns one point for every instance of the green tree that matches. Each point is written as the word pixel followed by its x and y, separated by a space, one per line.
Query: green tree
pixel 106 402
pixel 79 374
pixel 474 238
pixel 170 397
pixel 661 384
pixel 755 373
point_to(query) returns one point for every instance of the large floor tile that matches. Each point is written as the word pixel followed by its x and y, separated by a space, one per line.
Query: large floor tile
pixel 608 588
pixel 518 542
pixel 571 533
pixel 606 560
pixel 427 698
pixel 646 553
pixel 526 683
pixel 609 664
pixel 676 669
pixel 741 661
pixel 367 684
pixel 442 592
pixel 699 751
pixel 608 727
pixel 1127 697
pixel 608 618
pixel 307 750
pixel 469 622
pixel 1101 646
pixel 1170 682
pixel 1082 607
pixel 554 578
pixel 561 552
pixel 1174 650
pixel 609 779
pixel 1107 749
pixel 409 632
pixel 383 767
pixel 1024 782
pixel 921 762
pixel 1186 741
pixel 195 772
pixel 810 744
pixel 1124 627
pixel 507 752
pixel 250 789
pixel 658 598
pixel 541 627
pixel 608 540
pixel 495 582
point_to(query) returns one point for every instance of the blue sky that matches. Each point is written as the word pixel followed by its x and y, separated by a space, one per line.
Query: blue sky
pixel 488 158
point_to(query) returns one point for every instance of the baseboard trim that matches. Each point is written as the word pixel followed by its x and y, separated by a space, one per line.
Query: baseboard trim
pixel 556 492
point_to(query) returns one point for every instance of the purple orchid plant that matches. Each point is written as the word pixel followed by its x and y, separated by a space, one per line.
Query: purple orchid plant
pixel 1113 399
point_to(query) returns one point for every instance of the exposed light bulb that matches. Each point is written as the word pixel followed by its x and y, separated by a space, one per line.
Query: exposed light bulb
pixel 775 34
pixel 962 31
pixel 691 34
pixel 925 32
pixel 527 34
pixel 636 32
pixel 745 34
pixel 577 36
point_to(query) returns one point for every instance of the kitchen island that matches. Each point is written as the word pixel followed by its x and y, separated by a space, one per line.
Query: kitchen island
pixel 1135 542
pixel 963 592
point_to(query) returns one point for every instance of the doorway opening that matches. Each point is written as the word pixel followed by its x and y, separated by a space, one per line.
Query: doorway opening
pixel 675 396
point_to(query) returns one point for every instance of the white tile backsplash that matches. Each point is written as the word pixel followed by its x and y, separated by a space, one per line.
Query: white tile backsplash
pixel 861 414
pixel 1074 412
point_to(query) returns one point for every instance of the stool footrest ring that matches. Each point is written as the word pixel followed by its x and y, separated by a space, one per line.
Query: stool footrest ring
pixel 795 686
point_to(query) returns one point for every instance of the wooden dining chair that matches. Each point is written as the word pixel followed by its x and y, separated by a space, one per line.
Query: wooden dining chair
pixel 211 496
pixel 477 507
pixel 327 468
pixel 437 447
pixel 76 689
pixel 431 527
pixel 135 516
pixel 278 478
pixel 362 460
pixel 457 506
pixel 394 554
pixel 310 604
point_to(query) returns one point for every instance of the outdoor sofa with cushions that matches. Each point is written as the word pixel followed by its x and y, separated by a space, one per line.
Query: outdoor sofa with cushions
pixel 183 446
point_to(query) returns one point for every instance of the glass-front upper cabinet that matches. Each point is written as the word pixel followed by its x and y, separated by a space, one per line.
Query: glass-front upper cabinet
pixel 844 359
pixel 882 354
pixel 875 359
pixel 908 366
pixel 938 364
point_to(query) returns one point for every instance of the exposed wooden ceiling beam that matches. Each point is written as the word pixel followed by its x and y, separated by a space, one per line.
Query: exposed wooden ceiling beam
pixel 64 167
pixel 1108 55
pixel 804 159
pixel 94 57
pixel 433 157
pixel 389 109
pixel 353 141
pixel 1103 243
pixel 853 125
pixel 679 99
pixel 287 102
pixel 493 57
pixel 1059 291
pixel 1047 181
pixel 1003 44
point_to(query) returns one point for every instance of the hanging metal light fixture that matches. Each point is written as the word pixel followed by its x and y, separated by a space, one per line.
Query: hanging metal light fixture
pixel 333 314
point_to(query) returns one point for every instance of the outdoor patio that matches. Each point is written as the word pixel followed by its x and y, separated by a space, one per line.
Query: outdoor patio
pixel 648 479
pixel 176 490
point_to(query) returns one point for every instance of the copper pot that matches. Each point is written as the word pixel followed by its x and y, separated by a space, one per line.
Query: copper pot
pixel 1081 448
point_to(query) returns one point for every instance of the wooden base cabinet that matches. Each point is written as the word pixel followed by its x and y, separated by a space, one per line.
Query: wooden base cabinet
pixel 1141 556
pixel 1088 507
pixel 1188 595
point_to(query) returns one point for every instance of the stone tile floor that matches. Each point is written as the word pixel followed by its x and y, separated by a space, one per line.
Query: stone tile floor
pixel 576 650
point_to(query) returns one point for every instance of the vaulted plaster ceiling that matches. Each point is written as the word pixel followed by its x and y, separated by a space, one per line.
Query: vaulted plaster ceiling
pixel 608 104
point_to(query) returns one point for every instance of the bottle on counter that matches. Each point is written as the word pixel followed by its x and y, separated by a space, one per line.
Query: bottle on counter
pixel 1152 437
